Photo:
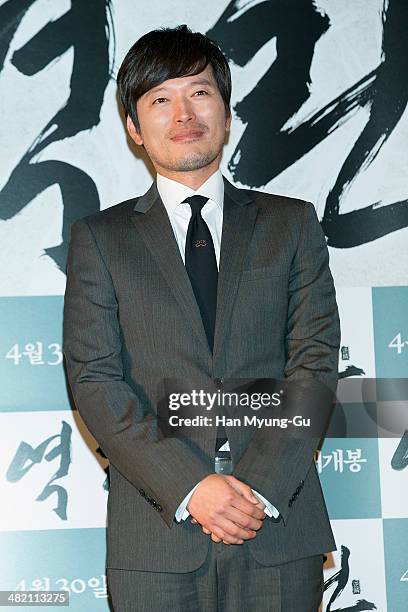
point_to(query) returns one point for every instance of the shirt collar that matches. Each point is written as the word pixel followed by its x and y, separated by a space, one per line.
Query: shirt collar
pixel 173 193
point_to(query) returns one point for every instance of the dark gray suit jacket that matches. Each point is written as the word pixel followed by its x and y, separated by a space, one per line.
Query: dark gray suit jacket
pixel 130 320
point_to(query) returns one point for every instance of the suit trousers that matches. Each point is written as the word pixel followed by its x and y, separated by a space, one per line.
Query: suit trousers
pixel 230 580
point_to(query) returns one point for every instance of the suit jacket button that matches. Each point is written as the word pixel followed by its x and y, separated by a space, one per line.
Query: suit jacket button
pixel 158 508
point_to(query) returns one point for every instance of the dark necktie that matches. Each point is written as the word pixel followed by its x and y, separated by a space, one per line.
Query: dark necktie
pixel 201 266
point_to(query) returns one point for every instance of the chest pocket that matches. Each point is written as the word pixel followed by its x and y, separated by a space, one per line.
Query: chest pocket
pixel 263 272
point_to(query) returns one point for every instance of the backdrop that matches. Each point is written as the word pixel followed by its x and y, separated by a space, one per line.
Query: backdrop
pixel 320 89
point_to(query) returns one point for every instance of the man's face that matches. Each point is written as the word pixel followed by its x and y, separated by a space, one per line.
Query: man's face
pixel 182 123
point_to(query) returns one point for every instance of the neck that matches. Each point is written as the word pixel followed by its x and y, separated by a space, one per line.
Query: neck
pixel 193 179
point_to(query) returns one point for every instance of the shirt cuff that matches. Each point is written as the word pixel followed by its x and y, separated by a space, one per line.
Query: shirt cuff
pixel 182 513
pixel 270 510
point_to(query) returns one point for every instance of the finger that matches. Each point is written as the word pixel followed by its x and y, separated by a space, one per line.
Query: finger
pixel 208 532
pixel 247 492
pixel 243 489
pixel 222 536
pixel 243 520
pixel 215 538
pixel 243 505
pixel 194 521
pixel 233 530
pixel 260 503
pixel 261 506
pixel 238 500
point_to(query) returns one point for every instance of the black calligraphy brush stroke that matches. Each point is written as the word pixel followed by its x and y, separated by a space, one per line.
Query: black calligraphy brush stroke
pixel 387 102
pixel 11 14
pixel 349 229
pixel 78 191
pixel 342 577
pixel 284 87
pixel 365 225
pixel 294 143
pixel 351 370
pixel 399 459
pixel 360 606
pixel 242 32
pixel 86 27
pixel 383 91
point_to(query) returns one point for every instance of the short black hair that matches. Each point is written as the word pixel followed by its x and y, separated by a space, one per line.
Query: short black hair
pixel 169 53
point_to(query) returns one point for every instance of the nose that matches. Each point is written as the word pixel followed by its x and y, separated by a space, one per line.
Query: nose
pixel 183 110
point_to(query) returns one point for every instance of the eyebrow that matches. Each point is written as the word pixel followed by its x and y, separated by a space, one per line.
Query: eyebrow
pixel 192 84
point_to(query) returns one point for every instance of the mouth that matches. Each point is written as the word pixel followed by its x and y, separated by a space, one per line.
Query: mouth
pixel 186 136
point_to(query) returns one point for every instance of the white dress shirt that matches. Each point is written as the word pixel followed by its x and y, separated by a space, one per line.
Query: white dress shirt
pixel 173 195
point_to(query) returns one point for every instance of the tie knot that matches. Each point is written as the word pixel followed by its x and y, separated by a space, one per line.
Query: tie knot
pixel 196 203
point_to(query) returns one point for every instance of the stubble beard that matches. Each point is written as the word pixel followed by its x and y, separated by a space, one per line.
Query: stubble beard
pixel 192 161
pixel 187 162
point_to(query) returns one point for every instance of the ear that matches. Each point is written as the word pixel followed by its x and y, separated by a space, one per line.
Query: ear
pixel 228 123
pixel 133 133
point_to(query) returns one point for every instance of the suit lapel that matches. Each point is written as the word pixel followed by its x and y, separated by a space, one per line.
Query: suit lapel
pixel 238 224
pixel 152 223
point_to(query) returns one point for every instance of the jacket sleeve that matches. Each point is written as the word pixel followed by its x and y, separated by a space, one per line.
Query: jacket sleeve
pixel 162 470
pixel 275 463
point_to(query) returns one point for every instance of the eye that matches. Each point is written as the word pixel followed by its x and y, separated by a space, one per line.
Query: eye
pixel 201 92
pixel 159 100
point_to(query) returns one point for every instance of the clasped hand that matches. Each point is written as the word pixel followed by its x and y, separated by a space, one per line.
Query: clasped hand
pixel 226 509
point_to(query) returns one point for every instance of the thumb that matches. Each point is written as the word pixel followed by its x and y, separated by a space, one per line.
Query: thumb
pixel 242 488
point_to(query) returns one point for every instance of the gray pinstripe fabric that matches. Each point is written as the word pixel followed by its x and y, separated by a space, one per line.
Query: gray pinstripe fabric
pixel 229 580
pixel 130 319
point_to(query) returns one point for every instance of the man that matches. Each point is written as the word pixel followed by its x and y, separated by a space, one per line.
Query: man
pixel 201 281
